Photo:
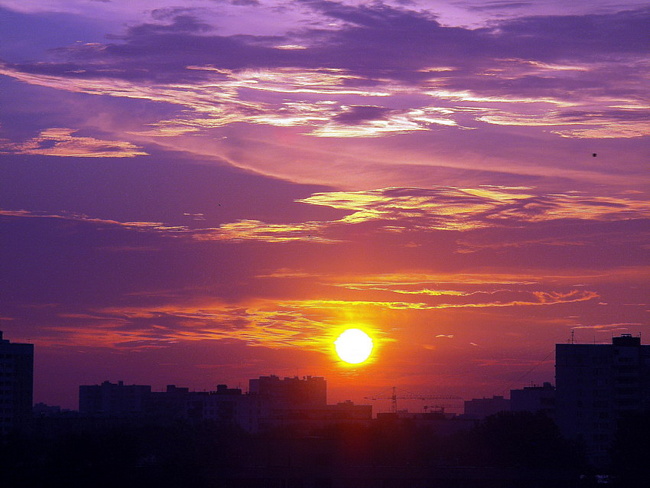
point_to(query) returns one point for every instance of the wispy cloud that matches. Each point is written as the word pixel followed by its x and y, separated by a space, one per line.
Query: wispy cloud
pixel 610 327
pixel 65 143
pixel 310 324
pixel 466 209
pixel 284 324
pixel 397 210
pixel 137 226
pixel 486 299
pixel 255 230
pixel 600 122
pixel 490 280
pixel 374 55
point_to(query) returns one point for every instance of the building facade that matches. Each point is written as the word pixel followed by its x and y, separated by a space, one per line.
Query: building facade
pixel 271 403
pixel 290 391
pixel 114 400
pixel 16 384
pixel 596 385
pixel 479 408
pixel 534 399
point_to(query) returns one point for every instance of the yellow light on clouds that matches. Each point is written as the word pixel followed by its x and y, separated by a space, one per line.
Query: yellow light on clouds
pixel 353 346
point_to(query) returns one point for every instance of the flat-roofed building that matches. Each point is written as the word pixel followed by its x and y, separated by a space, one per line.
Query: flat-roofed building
pixel 479 408
pixel 534 399
pixel 114 400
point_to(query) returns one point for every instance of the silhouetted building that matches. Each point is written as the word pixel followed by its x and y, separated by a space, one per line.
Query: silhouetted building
pixel 534 399
pixel 309 390
pixel 225 405
pixel 170 404
pixel 596 385
pixel 41 410
pixel 297 402
pixel 271 403
pixel 479 408
pixel 307 418
pixel 16 383
pixel 114 400
pixel 435 421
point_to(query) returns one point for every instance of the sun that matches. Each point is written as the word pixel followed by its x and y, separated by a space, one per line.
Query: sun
pixel 353 346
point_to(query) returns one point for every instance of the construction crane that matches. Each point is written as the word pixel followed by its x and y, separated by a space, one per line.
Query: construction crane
pixel 393 397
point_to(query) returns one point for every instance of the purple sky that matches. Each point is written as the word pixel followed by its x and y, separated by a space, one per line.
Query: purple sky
pixel 203 194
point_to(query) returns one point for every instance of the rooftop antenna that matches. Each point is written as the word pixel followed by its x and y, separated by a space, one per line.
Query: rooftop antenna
pixel 573 336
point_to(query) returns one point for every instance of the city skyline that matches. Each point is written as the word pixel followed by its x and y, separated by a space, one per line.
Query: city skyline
pixel 203 194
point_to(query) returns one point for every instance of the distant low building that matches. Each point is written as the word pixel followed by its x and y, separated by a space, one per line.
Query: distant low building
pixel 225 405
pixel 309 417
pixel 290 391
pixel 436 421
pixel 41 410
pixel 271 403
pixel 170 404
pixel 297 402
pixel 534 399
pixel 16 384
pixel 479 408
pixel 114 400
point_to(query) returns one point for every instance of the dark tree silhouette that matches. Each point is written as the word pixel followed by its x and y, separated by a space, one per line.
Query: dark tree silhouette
pixel 630 451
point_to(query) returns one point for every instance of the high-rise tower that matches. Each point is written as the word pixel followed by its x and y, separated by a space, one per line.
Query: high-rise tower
pixel 16 384
pixel 596 385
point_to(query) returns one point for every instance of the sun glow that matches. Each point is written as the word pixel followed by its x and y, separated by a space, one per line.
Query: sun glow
pixel 353 346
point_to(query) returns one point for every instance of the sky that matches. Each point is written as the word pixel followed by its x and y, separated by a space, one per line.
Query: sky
pixel 207 191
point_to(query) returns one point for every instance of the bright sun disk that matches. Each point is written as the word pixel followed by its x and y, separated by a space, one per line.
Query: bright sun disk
pixel 353 346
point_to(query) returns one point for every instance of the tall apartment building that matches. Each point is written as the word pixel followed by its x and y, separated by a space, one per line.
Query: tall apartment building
pixel 16 383
pixel 596 384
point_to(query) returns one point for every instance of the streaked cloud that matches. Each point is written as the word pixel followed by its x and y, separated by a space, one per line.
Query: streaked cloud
pixel 464 283
pixel 398 210
pixel 295 324
pixel 424 279
pixel 466 209
pixel 380 53
pixel 64 143
pixel 289 324
pixel 534 298
pixel 137 226
pixel 259 231
pixel 600 123
pixel 621 326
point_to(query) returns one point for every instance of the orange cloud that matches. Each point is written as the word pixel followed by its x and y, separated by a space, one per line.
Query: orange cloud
pixel 486 280
pixel 534 298
pixel 256 230
pixel 448 208
pixel 273 324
